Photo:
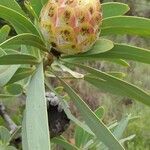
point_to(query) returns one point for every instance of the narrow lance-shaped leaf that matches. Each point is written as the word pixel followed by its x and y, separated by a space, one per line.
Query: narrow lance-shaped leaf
pixel 31 51
pixel 13 5
pixel 129 138
pixel 120 51
pixel 36 113
pixel 18 59
pixel 84 59
pixel 114 9
pixel 81 136
pixel 25 144
pixel 18 21
pixel 124 51
pixel 4 31
pixel 121 62
pixel 4 135
pixel 10 51
pixel 44 2
pixel 120 88
pixel 37 6
pixel 100 112
pixel 118 131
pixel 92 120
pixel 24 39
pixel 120 75
pixel 126 25
pixel 6 73
pixel 14 89
pixel 2 52
pixel 20 74
pixel 30 10
pixel 114 85
pixel 63 143
pixel 2 147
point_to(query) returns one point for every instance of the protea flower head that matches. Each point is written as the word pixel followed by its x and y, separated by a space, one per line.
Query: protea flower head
pixel 71 26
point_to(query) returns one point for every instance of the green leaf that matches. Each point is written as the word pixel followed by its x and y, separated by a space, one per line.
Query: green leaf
pixel 24 39
pixel 99 112
pixel 114 85
pixel 101 45
pixel 126 25
pixel 127 138
pixel 20 74
pixel 81 136
pixel 36 113
pixel 114 9
pixel 4 31
pixel 96 125
pixel 6 73
pixel 37 6
pixel 124 51
pixel 79 133
pixel 44 2
pixel 31 51
pixel 120 75
pixel 25 144
pixel 18 59
pixel 5 147
pixel 2 52
pixel 30 10
pixel 10 51
pixel 121 62
pixel 10 148
pixel 18 21
pixel 64 143
pixel 2 147
pixel 14 89
pixel 119 130
pixel 13 5
pixel 120 51
pixel 4 135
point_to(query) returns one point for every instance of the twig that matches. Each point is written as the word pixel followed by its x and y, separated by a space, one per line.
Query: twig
pixel 12 126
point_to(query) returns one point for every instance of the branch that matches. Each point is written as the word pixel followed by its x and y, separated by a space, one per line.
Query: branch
pixel 10 123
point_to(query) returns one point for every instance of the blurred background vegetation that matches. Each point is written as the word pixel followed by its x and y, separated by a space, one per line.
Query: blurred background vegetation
pixel 115 107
